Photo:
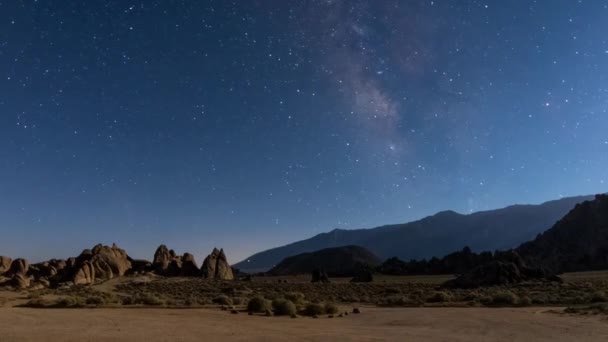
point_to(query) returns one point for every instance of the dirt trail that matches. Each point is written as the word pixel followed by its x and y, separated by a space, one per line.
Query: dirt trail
pixel 374 324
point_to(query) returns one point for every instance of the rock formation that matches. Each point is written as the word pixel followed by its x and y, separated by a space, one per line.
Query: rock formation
pixel 20 281
pixel 18 266
pixel 342 261
pixel 100 263
pixel 189 267
pixel 5 264
pixel 508 269
pixel 319 276
pixel 216 266
pixel 167 263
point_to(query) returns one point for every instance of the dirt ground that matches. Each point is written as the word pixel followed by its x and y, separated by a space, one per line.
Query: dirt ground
pixel 373 324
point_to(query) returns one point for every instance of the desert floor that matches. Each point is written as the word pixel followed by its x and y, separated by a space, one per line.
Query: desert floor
pixel 373 324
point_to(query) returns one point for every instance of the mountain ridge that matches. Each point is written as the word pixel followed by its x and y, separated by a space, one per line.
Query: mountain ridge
pixel 433 235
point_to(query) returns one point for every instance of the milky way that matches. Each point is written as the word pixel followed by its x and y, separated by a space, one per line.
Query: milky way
pixel 249 124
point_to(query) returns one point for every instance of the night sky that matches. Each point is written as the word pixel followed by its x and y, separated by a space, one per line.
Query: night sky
pixel 250 124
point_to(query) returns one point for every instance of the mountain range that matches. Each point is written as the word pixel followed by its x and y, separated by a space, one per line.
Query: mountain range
pixel 435 235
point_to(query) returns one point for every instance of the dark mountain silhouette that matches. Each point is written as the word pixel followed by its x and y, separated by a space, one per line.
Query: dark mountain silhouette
pixel 431 236
pixel 578 242
pixel 336 262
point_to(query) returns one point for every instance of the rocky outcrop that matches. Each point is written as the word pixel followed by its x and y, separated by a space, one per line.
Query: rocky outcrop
pixel 18 266
pixel 507 270
pixel 100 263
pixel 84 274
pixel 319 275
pixel 167 263
pixel 5 264
pixel 162 259
pixel 20 281
pixel 189 267
pixel 209 264
pixel 577 242
pixel 215 266
pixel 363 276
pixel 341 261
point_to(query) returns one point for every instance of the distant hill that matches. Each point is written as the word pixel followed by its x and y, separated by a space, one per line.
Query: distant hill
pixel 578 242
pixel 436 235
pixel 337 261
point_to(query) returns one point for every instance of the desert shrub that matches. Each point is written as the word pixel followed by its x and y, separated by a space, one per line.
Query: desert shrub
pixel 258 304
pixel 95 300
pixel 331 308
pixel 439 297
pixel 524 301
pixel 37 303
pixel 150 299
pixel 283 307
pixel 295 297
pixel 396 300
pixel 223 300
pixel 238 300
pixel 69 302
pixel 599 296
pixel 591 309
pixel 504 298
pixel 313 309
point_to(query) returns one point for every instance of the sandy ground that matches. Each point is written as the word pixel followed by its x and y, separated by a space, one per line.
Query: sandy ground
pixel 373 324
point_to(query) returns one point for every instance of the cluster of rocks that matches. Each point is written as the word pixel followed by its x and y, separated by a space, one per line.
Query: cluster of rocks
pixel 509 269
pixel 168 263
pixel 102 263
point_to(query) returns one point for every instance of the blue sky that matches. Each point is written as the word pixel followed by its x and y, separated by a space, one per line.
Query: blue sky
pixel 248 125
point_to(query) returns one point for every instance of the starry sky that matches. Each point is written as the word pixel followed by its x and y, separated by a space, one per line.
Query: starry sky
pixel 250 124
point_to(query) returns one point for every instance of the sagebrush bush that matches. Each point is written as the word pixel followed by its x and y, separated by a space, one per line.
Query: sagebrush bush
pixel 313 309
pixel 149 299
pixel 439 297
pixel 504 298
pixel 223 300
pixel 295 297
pixel 95 300
pixel 524 301
pixel 283 307
pixel 258 304
pixel 331 308
pixel 238 300
pixel 599 296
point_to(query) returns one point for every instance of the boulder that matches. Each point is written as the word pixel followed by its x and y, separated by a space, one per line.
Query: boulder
pixel 363 276
pixel 100 263
pixel 5 264
pixel 116 258
pixel 507 270
pixel 319 276
pixel 84 275
pixel 20 281
pixel 209 264
pixel 18 266
pixel 162 259
pixel 216 266
pixel 189 267
pixel 223 271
